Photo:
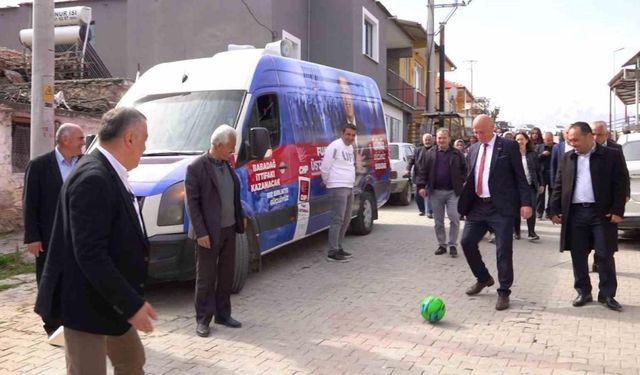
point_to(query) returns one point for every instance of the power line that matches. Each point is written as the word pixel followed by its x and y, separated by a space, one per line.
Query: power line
pixel 273 33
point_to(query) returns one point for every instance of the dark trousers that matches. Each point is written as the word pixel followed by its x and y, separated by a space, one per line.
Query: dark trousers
pixel 421 202
pixel 215 269
pixel 541 202
pixel 50 325
pixel 531 222
pixel 483 216
pixel 586 228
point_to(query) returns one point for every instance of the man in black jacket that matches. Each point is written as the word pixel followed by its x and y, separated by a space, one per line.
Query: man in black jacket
pixel 94 276
pixel 427 144
pixel 441 171
pixel 544 156
pixel 589 201
pixel 215 212
pixel 42 182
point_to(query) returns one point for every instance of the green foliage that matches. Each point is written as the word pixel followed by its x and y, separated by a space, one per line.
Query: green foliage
pixel 12 264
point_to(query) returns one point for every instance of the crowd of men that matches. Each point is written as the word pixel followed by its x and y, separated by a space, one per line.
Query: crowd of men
pixel 83 222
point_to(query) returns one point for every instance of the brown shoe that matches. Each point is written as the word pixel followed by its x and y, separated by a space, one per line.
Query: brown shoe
pixel 502 303
pixel 477 287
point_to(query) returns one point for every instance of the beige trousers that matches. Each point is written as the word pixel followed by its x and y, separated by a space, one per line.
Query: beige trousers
pixel 86 353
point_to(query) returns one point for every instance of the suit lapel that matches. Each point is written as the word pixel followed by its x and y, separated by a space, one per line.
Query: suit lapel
pixel 124 195
pixel 497 150
pixel 209 170
pixel 596 167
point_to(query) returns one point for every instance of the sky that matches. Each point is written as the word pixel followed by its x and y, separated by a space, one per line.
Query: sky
pixel 543 62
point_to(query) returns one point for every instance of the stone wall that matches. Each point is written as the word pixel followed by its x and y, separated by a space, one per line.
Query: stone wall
pixel 10 183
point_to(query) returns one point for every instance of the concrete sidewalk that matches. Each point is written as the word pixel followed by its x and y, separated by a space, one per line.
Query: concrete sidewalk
pixel 304 315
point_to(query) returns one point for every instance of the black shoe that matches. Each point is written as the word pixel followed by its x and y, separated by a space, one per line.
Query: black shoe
pixel 430 216
pixel 453 251
pixel 595 267
pixel 516 236
pixel 461 217
pixel 533 237
pixel 345 254
pixel 502 303
pixel 441 250
pixel 582 299
pixel 337 257
pixel 477 287
pixel 229 322
pixel 421 214
pixel 202 330
pixel 610 303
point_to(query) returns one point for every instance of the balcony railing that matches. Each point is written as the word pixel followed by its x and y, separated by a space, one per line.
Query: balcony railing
pixel 403 91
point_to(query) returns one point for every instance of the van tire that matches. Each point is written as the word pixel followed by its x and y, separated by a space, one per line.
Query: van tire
pixel 242 262
pixel 404 197
pixel 363 223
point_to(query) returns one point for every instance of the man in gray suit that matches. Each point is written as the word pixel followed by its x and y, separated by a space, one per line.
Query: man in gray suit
pixel 215 212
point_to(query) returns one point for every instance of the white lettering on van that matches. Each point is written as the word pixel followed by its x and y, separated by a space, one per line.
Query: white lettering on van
pixel 320 150
pixel 264 166
pixel 264 185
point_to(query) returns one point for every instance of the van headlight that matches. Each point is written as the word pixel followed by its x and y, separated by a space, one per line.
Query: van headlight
pixel 171 211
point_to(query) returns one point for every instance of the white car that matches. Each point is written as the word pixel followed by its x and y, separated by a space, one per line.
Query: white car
pixel 402 188
pixel 631 148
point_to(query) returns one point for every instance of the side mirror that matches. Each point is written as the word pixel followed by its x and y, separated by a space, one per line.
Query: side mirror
pixel 260 144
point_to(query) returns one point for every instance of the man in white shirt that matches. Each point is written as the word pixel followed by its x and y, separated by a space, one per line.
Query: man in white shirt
pixel 589 208
pixel 339 175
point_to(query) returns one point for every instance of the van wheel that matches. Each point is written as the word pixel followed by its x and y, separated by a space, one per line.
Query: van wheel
pixel 242 262
pixel 404 198
pixel 363 223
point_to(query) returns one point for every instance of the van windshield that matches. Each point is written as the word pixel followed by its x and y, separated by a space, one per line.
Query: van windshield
pixel 182 123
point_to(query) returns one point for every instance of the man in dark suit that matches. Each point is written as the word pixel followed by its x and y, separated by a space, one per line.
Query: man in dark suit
pixel 495 189
pixel 601 136
pixel 427 144
pixel 215 212
pixel 557 151
pixel 42 182
pixel 544 151
pixel 94 276
pixel 589 201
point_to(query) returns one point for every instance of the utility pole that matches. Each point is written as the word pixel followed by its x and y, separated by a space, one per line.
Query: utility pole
pixel 442 61
pixel 430 54
pixel 42 71
pixel 471 62
pixel 430 58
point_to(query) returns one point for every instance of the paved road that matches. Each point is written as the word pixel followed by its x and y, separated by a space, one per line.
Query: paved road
pixel 303 315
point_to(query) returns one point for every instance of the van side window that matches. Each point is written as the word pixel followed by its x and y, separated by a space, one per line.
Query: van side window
pixel 265 115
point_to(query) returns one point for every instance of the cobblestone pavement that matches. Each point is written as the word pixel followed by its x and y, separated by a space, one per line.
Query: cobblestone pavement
pixel 304 315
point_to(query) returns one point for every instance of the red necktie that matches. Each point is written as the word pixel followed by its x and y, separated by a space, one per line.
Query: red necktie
pixel 481 170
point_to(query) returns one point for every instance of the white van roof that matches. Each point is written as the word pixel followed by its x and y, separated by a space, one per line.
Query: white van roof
pixel 198 75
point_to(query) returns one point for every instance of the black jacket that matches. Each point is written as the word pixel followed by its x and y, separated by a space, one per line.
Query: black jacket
pixel 618 147
pixel 94 276
pixel 507 182
pixel 203 200
pixel 42 183
pixel 425 168
pixel 609 183
pixel 534 168
pixel 545 161
pixel 416 155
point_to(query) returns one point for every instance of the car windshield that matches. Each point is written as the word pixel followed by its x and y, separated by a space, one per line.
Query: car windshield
pixel 394 152
pixel 631 150
pixel 182 123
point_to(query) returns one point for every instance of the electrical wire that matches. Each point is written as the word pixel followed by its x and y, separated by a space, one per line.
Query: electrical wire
pixel 273 33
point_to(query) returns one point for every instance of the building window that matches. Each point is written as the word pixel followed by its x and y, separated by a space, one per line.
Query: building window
pixel 394 129
pixel 20 147
pixel 296 52
pixel 370 34
pixel 418 80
